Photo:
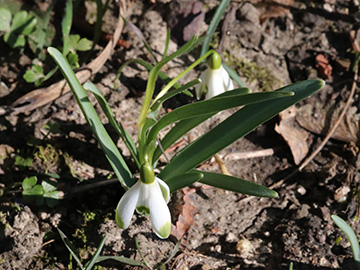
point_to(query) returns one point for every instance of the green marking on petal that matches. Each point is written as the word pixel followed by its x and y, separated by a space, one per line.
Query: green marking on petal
pixel 119 221
pixel 143 210
pixel 165 230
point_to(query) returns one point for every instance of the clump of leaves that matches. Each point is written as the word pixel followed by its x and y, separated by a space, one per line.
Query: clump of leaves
pixel 46 192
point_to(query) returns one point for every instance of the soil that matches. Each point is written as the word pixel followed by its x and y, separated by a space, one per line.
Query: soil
pixel 270 44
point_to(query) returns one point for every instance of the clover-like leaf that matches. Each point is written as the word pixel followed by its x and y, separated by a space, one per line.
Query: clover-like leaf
pixel 5 19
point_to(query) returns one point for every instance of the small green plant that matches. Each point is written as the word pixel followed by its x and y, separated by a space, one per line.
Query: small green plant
pixel 97 258
pixel 351 236
pixel 39 194
pixel 17 28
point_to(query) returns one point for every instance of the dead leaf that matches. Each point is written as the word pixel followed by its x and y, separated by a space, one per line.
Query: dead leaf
pixel 296 137
pixel 272 8
pixel 323 66
pixel 185 218
pixel 319 120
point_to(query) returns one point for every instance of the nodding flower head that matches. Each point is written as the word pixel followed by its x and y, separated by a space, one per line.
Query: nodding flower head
pixel 214 80
pixel 148 197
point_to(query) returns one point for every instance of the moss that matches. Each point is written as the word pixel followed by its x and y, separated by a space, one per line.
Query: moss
pixel 265 79
pixel 48 156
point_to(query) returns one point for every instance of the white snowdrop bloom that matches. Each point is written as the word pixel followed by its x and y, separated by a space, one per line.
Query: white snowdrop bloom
pixel 214 80
pixel 146 198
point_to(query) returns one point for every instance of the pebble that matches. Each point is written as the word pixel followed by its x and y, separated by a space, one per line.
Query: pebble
pixel 231 237
pixel 301 190
pixel 244 246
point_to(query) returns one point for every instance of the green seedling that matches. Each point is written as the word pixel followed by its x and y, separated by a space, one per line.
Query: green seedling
pixel 351 236
pixel 39 194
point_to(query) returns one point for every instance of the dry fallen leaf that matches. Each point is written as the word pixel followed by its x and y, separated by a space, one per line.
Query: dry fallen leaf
pixel 295 136
pixel 319 120
pixel 185 218
pixel 323 66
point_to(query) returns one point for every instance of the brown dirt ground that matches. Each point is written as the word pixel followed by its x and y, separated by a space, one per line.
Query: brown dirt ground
pixel 269 43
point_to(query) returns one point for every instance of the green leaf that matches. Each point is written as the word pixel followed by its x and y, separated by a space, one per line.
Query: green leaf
pixel 236 126
pixel 29 182
pixel 111 151
pixel 83 45
pixel 236 184
pixel 73 60
pixel 48 185
pixel 52 198
pixel 153 74
pixel 125 136
pixel 213 25
pixel 67 19
pixel 93 260
pixel 183 180
pixel 182 127
pixel 71 248
pixel 167 40
pixel 172 93
pixel 121 259
pixel 36 190
pixel 44 32
pixel 23 23
pixel 5 19
pixel 36 73
pixel 351 236
pixel 23 161
pixel 233 75
pixel 210 106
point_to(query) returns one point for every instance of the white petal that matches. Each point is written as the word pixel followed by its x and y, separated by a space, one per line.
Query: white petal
pixel 200 88
pixel 165 190
pixel 142 206
pixel 126 206
pixel 228 83
pixel 159 212
pixel 215 84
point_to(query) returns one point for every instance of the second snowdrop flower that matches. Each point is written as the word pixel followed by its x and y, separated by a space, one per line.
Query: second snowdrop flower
pixel 214 80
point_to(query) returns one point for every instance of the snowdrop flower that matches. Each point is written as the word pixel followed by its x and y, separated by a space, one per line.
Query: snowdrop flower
pixel 149 195
pixel 214 80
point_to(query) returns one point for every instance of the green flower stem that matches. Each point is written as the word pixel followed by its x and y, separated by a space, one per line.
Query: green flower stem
pixel 173 81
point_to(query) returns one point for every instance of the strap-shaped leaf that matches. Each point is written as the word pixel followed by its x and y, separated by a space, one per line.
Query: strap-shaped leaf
pixel 206 107
pixel 153 74
pixel 184 126
pixel 213 25
pixel 235 127
pixel 71 248
pixel 121 259
pixel 351 236
pixel 183 180
pixel 111 151
pixel 130 144
pixel 235 184
pixel 172 93
pixel 90 264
